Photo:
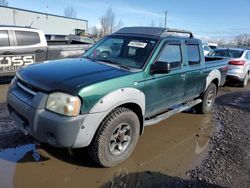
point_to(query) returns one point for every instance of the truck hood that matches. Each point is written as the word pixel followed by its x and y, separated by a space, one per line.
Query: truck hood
pixel 68 75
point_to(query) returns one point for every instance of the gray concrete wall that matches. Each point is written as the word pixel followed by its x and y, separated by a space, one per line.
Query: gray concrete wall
pixel 49 24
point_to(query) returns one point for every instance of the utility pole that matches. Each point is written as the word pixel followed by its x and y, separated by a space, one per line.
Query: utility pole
pixel 14 17
pixel 166 17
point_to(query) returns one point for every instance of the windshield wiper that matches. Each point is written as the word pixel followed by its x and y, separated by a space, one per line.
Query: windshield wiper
pixel 107 61
pixel 114 63
pixel 88 57
pixel 124 66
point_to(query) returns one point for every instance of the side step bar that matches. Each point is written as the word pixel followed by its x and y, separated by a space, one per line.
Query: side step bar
pixel 174 111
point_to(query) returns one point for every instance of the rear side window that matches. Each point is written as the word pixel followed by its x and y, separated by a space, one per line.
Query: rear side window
pixel 248 55
pixel 4 38
pixel 27 38
pixel 193 54
pixel 171 54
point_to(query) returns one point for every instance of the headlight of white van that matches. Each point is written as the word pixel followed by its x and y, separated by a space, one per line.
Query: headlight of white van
pixel 64 104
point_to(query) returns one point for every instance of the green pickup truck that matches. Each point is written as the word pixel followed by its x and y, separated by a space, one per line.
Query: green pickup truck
pixel 103 101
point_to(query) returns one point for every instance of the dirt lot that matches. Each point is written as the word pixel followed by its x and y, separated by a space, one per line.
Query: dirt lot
pixel 187 150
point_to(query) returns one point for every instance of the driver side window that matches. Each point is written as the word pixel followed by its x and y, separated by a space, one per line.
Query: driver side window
pixel 171 53
pixel 109 49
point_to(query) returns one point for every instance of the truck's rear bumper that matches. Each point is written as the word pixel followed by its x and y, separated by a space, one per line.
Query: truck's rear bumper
pixel 45 126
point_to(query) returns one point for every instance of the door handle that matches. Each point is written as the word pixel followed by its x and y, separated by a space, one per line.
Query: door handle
pixel 39 50
pixel 7 53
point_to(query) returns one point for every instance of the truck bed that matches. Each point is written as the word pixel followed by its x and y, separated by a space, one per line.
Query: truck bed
pixel 220 63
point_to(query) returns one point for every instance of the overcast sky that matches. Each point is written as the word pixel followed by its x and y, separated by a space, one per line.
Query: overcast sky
pixel 211 18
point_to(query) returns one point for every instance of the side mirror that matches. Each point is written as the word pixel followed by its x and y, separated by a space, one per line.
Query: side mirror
pixel 160 67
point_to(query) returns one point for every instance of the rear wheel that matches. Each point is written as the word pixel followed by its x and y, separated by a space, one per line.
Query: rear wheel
pixel 208 99
pixel 116 138
pixel 245 81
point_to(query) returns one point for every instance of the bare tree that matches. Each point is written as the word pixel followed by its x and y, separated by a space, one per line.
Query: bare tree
pixel 4 3
pixel 70 12
pixel 242 40
pixel 152 24
pixel 160 24
pixel 95 32
pixel 107 22
pixel 119 25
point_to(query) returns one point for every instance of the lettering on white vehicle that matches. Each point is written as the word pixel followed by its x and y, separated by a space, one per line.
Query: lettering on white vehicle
pixel 12 63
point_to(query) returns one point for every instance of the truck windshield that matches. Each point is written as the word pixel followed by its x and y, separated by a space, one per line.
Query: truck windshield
pixel 124 51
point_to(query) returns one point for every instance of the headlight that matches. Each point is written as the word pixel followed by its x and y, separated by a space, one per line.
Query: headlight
pixel 64 104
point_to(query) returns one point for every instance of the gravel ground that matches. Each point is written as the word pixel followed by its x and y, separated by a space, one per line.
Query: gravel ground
pixel 228 162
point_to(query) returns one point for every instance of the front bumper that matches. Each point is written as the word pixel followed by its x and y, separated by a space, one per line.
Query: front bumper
pixel 31 118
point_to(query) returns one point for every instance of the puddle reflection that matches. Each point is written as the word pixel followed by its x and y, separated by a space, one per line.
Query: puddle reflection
pixel 171 147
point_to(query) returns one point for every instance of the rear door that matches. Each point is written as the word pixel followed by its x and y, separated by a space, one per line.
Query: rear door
pixel 29 45
pixel 195 78
pixel 19 48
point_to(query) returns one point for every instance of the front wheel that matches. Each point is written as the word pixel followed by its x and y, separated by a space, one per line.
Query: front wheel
pixel 208 99
pixel 116 138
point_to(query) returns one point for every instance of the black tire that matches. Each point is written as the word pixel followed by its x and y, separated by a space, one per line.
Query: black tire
pixel 105 146
pixel 245 81
pixel 208 98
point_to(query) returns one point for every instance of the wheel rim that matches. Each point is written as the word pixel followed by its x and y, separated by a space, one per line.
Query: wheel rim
pixel 210 98
pixel 120 139
pixel 104 55
pixel 246 80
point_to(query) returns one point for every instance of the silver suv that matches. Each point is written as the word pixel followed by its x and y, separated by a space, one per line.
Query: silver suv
pixel 239 64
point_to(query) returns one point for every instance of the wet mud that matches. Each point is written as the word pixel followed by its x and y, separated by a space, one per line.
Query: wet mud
pixel 162 157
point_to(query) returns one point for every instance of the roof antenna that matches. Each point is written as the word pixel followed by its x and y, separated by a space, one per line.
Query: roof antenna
pixel 33 21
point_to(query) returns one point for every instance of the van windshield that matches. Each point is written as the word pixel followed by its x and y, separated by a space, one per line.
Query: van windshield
pixel 126 51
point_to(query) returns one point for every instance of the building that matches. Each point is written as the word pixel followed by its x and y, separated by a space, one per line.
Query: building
pixel 50 24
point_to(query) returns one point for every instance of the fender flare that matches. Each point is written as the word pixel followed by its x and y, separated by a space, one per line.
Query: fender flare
pixel 214 74
pixel 102 108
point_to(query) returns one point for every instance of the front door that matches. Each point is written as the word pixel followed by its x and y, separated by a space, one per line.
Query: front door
pixel 164 90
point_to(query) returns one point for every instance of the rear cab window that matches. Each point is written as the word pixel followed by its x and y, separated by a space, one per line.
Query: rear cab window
pixel 25 38
pixel 4 38
pixel 171 53
pixel 193 53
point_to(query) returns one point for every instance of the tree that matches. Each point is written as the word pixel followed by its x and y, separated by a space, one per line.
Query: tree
pixel 119 25
pixel 95 32
pixel 4 3
pixel 70 12
pixel 152 24
pixel 242 40
pixel 107 22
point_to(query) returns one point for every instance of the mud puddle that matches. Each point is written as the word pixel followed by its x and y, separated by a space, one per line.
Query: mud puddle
pixel 169 148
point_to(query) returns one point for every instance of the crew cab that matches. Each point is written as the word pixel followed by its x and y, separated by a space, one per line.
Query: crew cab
pixel 20 46
pixel 103 101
